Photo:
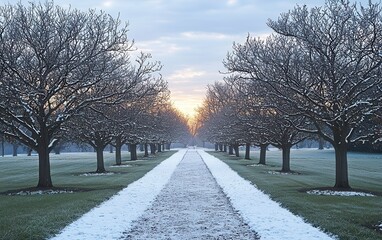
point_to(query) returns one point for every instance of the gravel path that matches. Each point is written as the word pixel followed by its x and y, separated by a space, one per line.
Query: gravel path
pixel 191 206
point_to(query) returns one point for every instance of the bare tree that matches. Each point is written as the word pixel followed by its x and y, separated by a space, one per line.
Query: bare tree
pixel 326 67
pixel 130 114
pixel 94 127
pixel 54 62
pixel 342 46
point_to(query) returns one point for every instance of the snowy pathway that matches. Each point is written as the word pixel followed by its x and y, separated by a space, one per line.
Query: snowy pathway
pixel 191 206
pixel 180 199
pixel 266 216
pixel 110 219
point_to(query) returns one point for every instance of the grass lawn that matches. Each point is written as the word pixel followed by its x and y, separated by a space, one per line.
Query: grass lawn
pixel 346 217
pixel 42 216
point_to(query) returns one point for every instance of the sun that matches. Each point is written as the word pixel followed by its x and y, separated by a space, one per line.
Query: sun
pixel 187 106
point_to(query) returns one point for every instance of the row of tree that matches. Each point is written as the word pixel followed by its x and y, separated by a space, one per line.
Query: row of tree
pixel 68 74
pixel 318 74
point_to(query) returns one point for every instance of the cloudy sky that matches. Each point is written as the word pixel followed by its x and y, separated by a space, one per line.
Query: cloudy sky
pixel 190 37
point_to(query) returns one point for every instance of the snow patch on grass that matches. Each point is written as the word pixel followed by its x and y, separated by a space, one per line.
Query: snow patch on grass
pixel 121 166
pixel 40 192
pixel 283 173
pixel 339 193
pixel 257 165
pixel 97 174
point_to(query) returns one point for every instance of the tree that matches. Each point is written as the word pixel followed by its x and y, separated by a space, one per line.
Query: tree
pixel 324 65
pixel 253 113
pixel 263 116
pixel 342 46
pixel 223 118
pixel 174 126
pixel 211 117
pixel 54 62
pixel 130 114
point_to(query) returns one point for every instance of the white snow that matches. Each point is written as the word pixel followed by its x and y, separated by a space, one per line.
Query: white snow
pixel 190 206
pixel 339 193
pixel 257 165
pixel 120 166
pixel 282 173
pixel 97 174
pixel 262 214
pixel 40 192
pixel 113 217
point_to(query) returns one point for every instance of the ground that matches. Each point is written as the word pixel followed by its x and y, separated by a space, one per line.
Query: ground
pixel 166 204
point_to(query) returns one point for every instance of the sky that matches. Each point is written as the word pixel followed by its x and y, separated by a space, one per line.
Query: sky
pixel 190 37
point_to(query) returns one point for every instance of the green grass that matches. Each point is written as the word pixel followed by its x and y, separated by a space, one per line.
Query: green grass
pixel 346 217
pixel 42 216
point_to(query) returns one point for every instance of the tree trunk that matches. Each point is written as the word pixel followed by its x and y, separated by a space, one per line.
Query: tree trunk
pixel 221 147
pixel 224 148
pixel 15 147
pixel 111 148
pixel 286 158
pixel 321 143
pixel 29 151
pixel 263 152
pixel 152 148
pixel 44 178
pixel 57 149
pixel 133 151
pixel 2 146
pixel 247 151
pixel 159 147
pixel 118 150
pixel 118 154
pixel 146 146
pixel 168 146
pixel 216 147
pixel 100 162
pixel 236 148
pixel 342 180
pixel 230 150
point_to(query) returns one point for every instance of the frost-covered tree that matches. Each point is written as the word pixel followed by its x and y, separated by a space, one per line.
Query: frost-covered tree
pixel 54 62
pixel 211 121
pixel 130 114
pixel 264 118
pixel 342 43
pixel 221 120
pixel 94 128
pixel 174 126
pixel 116 121
pixel 325 65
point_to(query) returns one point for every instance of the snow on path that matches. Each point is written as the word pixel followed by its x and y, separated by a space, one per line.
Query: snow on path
pixel 110 219
pixel 191 206
pixel 264 215
pixel 114 218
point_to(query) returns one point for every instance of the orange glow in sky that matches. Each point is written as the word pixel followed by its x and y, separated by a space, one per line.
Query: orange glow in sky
pixel 187 105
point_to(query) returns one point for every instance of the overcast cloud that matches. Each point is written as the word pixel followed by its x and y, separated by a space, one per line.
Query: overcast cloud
pixel 190 37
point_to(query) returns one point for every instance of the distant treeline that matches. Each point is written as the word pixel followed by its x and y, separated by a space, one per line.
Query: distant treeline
pixel 366 147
